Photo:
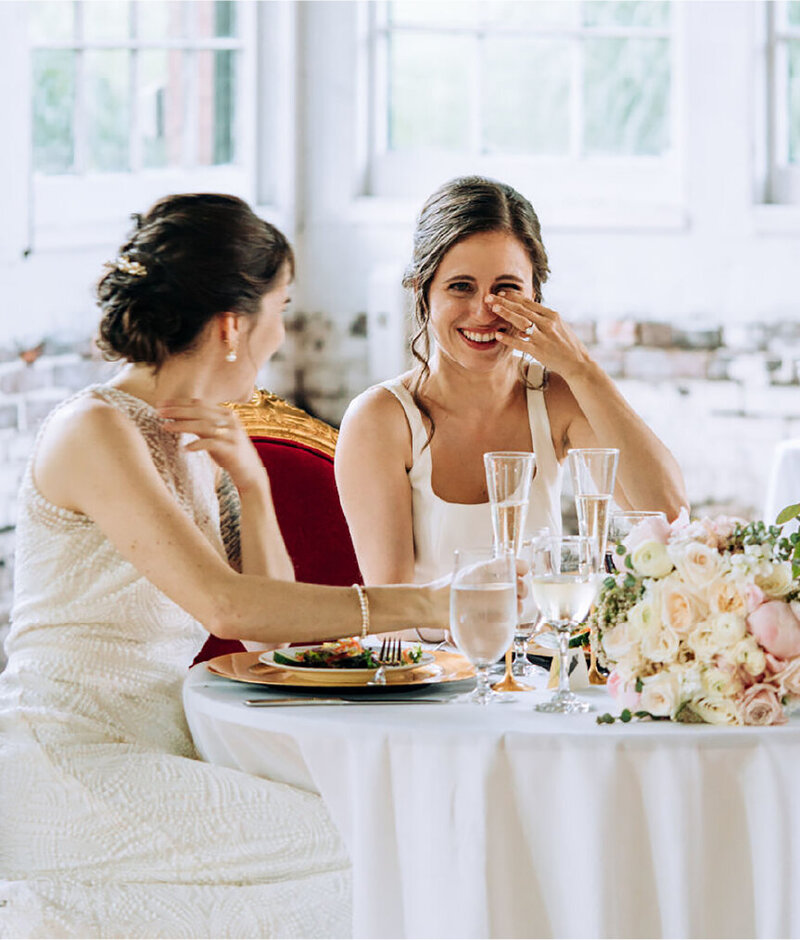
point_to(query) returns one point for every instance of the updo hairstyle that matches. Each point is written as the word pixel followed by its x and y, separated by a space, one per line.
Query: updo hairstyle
pixel 465 206
pixel 188 259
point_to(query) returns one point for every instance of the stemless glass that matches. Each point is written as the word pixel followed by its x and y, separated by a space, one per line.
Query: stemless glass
pixel 483 611
pixel 620 525
pixel 565 580
pixel 529 618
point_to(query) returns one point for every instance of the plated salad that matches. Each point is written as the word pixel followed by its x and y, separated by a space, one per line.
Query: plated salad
pixel 341 654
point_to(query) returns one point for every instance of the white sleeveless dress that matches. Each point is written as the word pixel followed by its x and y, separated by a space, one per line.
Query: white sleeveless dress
pixel 109 825
pixel 441 527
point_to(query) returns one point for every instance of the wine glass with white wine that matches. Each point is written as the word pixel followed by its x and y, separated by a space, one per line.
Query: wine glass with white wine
pixel 565 579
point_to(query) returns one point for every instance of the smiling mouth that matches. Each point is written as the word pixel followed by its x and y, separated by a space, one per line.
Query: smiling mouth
pixel 482 339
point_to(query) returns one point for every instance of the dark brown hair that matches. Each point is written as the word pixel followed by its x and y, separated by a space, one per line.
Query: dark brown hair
pixel 189 258
pixel 462 207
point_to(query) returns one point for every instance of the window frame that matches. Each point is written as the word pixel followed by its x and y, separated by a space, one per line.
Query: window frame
pixel 576 189
pixel 83 208
pixel 781 179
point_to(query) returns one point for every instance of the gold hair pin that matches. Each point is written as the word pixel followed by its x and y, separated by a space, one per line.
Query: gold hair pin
pixel 133 268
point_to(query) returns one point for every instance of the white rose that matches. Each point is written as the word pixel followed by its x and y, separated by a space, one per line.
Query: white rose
pixel 660 646
pixel 661 695
pixel 701 641
pixel 678 608
pixel 777 581
pixel 644 617
pixel 619 641
pixel 697 564
pixel 717 711
pixel 651 560
pixel 721 682
pixel 750 656
pixel 727 629
pixel 724 597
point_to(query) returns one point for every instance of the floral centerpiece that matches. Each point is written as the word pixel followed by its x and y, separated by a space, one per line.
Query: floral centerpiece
pixel 701 622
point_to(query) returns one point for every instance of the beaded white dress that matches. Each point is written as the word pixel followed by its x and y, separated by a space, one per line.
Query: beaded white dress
pixel 110 825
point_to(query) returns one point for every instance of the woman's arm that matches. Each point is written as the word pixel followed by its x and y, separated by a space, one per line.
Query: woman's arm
pixel 93 460
pixel 373 453
pixel 587 409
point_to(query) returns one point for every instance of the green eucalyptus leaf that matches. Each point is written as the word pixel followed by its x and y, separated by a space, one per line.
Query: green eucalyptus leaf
pixel 789 512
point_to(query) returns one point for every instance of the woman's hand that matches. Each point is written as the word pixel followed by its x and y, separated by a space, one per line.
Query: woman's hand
pixel 540 332
pixel 220 433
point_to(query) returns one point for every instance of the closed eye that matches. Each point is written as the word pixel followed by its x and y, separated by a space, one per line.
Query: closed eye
pixel 507 286
pixel 460 286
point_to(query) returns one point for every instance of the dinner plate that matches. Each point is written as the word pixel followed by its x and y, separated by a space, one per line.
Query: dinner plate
pixel 337 675
pixel 246 667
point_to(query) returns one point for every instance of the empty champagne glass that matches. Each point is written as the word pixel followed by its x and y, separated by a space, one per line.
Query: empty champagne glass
pixel 529 618
pixel 620 526
pixel 483 611
pixel 565 580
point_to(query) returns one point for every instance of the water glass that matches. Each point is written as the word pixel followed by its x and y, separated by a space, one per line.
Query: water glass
pixel 565 580
pixel 483 611
pixel 508 479
pixel 530 616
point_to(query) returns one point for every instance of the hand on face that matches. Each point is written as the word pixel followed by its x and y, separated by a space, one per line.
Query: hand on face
pixel 540 332
pixel 219 432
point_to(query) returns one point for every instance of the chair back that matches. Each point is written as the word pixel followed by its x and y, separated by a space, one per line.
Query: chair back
pixel 297 451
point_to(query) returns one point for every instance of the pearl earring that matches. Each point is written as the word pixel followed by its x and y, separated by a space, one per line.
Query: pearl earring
pixel 230 356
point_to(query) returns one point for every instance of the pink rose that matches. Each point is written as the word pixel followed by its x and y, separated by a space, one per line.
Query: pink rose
pixel 760 705
pixel 652 529
pixel 788 679
pixel 776 628
pixel 753 597
pixel 624 694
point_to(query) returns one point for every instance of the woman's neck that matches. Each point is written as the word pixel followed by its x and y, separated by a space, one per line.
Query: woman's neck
pixel 454 388
pixel 175 379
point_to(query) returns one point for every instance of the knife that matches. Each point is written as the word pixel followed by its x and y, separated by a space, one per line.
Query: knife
pixel 267 702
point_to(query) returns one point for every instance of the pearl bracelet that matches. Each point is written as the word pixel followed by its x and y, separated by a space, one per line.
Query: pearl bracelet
pixel 364 604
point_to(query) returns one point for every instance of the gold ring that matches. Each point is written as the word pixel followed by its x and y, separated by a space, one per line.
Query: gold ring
pixel 219 430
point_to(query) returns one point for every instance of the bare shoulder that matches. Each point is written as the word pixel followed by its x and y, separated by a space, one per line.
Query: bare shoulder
pixel 377 411
pixel 78 442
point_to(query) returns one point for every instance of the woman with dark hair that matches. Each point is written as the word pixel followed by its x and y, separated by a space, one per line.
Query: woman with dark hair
pixel 409 458
pixel 145 520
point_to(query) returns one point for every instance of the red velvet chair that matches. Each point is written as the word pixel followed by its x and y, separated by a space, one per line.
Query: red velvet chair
pixel 297 451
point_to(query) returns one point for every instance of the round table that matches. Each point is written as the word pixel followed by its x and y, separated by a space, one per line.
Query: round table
pixel 463 821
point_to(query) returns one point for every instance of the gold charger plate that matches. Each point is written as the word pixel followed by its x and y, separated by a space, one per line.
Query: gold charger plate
pixel 246 667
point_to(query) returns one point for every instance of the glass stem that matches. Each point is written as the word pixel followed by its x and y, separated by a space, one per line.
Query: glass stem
pixel 563 658
pixel 482 681
pixel 520 656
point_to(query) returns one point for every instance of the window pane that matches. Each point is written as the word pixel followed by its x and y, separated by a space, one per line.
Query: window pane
pixel 215 18
pixel 106 19
pixel 793 55
pixel 161 107
pixel 653 13
pixel 435 13
pixel 544 14
pixel 107 110
pixel 526 96
pixel 216 82
pixel 794 13
pixel 51 20
pixel 163 20
pixel 626 96
pixel 429 78
pixel 53 107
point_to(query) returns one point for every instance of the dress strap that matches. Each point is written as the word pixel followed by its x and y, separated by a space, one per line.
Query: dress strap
pixel 546 461
pixel 412 412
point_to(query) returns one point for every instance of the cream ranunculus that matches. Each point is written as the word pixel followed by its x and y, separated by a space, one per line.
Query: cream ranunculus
pixel 717 710
pixel 650 559
pixel 778 581
pixel 661 695
pixel 660 646
pixel 749 655
pixel 727 629
pixel 644 617
pixel 721 682
pixel 697 564
pixel 701 641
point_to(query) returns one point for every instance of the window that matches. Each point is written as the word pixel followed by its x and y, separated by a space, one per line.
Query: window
pixel 158 91
pixel 783 106
pixel 530 91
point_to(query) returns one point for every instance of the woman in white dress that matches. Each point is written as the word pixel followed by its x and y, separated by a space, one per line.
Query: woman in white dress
pixel 145 519
pixel 409 461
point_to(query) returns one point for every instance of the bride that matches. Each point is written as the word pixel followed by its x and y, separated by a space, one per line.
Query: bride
pixel 145 520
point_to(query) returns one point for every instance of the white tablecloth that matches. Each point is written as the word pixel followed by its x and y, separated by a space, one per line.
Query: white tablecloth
pixel 464 821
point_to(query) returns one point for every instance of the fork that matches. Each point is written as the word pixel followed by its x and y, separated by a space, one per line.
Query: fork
pixel 391 654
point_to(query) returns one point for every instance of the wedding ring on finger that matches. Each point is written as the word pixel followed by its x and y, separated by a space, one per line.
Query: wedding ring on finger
pixel 221 425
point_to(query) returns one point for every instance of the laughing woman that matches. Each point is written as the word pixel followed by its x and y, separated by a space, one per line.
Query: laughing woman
pixel 409 458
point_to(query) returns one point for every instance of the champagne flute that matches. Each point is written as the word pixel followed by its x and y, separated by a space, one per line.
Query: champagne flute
pixel 620 526
pixel 483 611
pixel 565 580
pixel 508 480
